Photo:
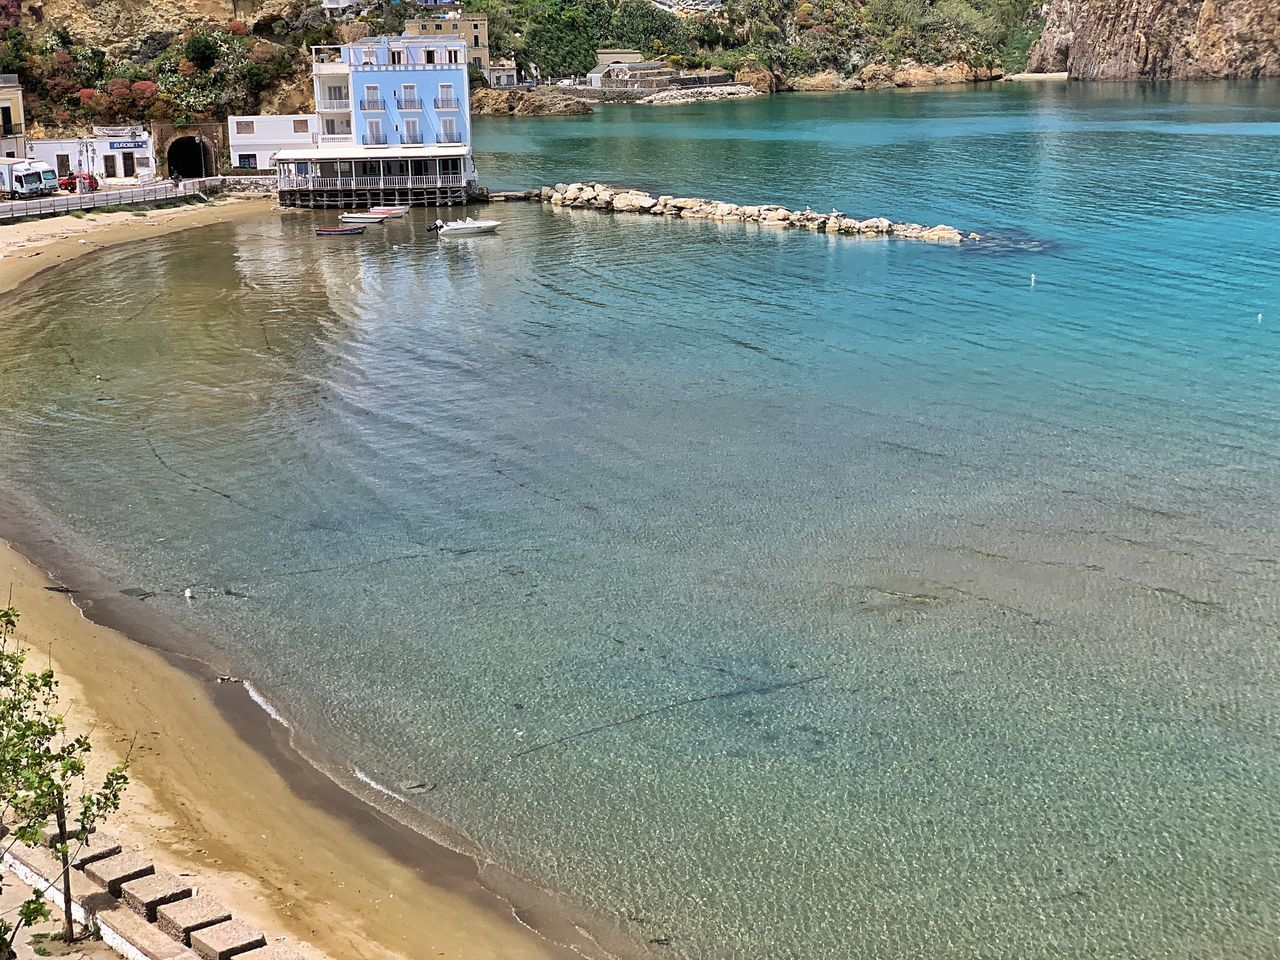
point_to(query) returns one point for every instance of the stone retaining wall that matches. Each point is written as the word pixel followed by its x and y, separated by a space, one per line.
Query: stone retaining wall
pixel 249 184
pixel 607 94
pixel 602 197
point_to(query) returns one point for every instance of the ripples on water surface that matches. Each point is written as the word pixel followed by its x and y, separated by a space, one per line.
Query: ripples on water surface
pixel 785 595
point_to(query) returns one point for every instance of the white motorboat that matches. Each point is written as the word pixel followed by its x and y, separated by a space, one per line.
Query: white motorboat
pixel 388 211
pixel 363 217
pixel 467 227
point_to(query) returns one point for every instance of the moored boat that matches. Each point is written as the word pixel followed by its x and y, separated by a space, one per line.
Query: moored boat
pixel 363 217
pixel 389 211
pixel 339 231
pixel 467 227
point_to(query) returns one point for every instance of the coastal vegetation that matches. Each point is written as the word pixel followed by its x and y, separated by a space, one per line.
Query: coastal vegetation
pixel 46 790
pixel 202 73
pixel 794 36
pixel 205 71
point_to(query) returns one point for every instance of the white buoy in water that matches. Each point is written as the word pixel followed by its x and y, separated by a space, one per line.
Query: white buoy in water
pixel 1033 279
pixel 189 594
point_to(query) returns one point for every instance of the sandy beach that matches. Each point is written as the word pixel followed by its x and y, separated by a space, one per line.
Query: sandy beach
pixel 217 790
pixel 33 246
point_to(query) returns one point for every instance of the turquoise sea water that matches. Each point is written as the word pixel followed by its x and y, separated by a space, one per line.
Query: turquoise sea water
pixel 782 595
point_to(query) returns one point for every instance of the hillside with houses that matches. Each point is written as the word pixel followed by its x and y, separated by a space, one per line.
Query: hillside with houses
pixel 186 61
pixel 84 63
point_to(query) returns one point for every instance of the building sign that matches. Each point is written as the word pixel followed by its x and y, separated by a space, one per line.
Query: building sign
pixel 127 144
pixel 129 132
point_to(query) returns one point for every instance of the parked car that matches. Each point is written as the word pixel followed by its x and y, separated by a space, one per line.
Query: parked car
pixel 71 182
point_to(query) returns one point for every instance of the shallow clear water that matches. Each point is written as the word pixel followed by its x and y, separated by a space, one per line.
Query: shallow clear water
pixel 783 595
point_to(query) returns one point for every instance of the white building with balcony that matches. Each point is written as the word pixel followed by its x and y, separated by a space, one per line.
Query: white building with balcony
pixel 13 142
pixel 394 126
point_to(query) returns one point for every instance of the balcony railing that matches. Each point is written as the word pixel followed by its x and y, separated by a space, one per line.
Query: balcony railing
pixel 338 106
pixel 409 103
pixel 411 138
pixel 373 104
pixel 369 183
pixel 336 139
pixel 374 139
pixel 448 138
pixel 10 129
pixel 447 103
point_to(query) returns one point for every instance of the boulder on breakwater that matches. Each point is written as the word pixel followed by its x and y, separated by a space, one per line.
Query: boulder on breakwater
pixel 606 198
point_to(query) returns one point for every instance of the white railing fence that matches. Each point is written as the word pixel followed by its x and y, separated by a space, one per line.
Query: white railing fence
pixel 157 192
pixel 370 183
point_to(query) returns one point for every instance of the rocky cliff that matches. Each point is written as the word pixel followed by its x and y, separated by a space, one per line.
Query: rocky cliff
pixel 1159 39
pixel 525 103
pixel 121 24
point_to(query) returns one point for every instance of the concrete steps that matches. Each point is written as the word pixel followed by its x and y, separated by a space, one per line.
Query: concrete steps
pixel 143 913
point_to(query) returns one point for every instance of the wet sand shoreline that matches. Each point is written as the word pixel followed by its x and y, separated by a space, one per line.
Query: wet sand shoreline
pixel 223 790
pixel 34 247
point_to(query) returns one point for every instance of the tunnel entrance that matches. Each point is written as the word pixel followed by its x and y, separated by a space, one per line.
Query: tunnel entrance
pixel 191 157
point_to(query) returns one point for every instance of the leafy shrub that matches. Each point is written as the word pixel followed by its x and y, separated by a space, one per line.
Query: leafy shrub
pixel 201 50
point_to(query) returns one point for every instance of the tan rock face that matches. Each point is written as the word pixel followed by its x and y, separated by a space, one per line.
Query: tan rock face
pixel 760 77
pixel 1159 39
pixel 292 96
pixel 115 25
pixel 550 104
pixel 525 103
pixel 917 75
pixel 875 75
pixel 827 80
pixel 351 32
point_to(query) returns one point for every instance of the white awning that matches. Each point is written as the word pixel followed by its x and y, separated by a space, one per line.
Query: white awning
pixel 427 151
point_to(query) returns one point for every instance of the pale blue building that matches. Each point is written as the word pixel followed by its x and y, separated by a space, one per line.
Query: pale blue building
pixel 394 120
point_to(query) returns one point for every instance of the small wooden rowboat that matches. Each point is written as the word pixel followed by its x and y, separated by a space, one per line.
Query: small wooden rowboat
pixel 339 231
pixel 363 217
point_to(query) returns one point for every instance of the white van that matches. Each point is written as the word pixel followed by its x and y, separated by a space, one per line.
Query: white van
pixel 20 180
pixel 48 177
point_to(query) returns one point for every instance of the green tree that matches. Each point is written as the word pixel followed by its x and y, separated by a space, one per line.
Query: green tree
pixel 560 44
pixel 641 25
pixel 14 51
pixel 44 774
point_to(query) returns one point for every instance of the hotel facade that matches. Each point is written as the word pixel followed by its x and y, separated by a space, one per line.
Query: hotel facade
pixel 394 126
pixel 13 141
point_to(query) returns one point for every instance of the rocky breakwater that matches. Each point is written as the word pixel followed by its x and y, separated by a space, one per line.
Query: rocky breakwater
pixel 605 198
pixel 728 91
